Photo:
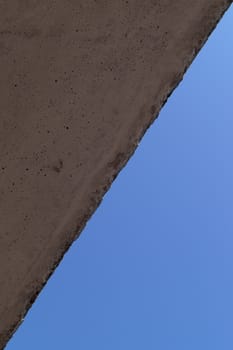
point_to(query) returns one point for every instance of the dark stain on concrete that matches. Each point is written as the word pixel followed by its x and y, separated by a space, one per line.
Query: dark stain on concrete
pixel 117 161
pixel 58 167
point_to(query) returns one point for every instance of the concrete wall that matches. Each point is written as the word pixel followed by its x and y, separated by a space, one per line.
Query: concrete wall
pixel 80 83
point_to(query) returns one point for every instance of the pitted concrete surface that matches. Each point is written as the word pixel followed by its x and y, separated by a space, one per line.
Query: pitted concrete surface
pixel 80 83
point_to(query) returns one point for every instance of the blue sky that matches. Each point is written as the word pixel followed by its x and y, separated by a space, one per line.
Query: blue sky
pixel 153 269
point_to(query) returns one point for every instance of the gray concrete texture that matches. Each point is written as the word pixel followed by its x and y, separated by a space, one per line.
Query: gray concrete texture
pixel 80 83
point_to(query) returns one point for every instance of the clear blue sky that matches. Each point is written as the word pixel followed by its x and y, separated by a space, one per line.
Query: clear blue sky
pixel 153 269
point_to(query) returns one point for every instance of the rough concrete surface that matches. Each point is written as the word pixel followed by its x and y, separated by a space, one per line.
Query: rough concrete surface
pixel 80 83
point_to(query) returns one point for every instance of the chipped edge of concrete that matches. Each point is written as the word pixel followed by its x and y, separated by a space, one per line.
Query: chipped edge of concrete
pixel 118 162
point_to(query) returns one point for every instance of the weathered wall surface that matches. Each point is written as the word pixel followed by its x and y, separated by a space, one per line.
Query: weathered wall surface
pixel 80 83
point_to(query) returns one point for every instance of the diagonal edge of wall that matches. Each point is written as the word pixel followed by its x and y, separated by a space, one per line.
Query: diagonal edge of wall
pixel 120 155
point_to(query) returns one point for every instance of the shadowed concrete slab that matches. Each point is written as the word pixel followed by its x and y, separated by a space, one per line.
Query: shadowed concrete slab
pixel 81 81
